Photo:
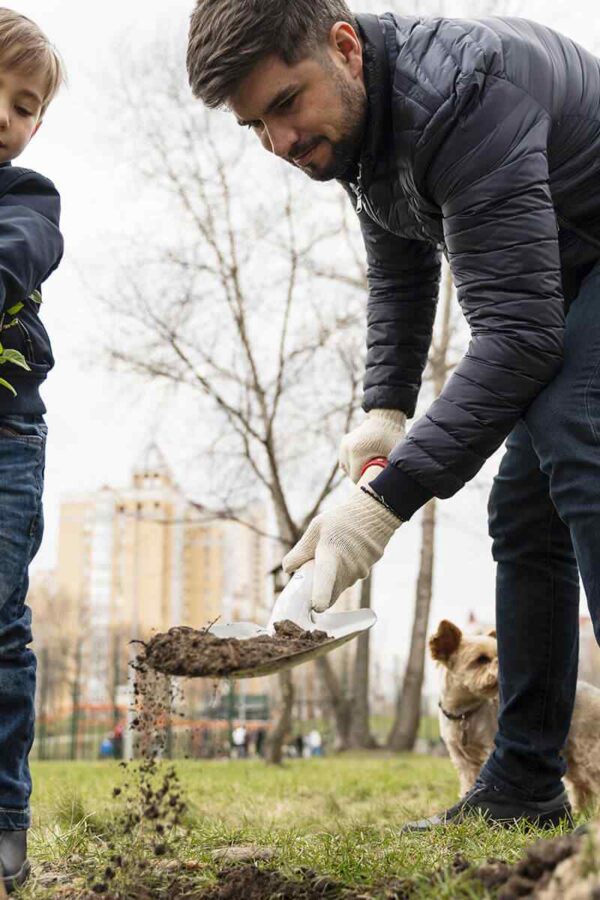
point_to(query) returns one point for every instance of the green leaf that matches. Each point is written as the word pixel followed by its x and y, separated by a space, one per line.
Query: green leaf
pixel 13 310
pixel 9 387
pixel 15 357
pixel 36 297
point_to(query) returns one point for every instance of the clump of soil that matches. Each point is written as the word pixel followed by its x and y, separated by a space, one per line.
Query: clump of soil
pixel 250 883
pixel 188 652
pixel 532 873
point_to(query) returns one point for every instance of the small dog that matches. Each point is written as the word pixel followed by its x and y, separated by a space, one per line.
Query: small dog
pixel 469 713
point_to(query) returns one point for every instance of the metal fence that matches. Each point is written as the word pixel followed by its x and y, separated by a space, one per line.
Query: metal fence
pixel 78 718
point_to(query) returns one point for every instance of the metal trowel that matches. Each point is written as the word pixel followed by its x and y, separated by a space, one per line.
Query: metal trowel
pixel 294 604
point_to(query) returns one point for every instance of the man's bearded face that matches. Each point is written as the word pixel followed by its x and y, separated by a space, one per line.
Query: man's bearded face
pixel 312 114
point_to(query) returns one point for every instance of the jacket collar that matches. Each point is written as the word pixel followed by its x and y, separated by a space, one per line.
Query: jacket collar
pixel 378 88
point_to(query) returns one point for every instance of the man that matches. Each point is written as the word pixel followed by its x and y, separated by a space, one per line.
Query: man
pixel 480 139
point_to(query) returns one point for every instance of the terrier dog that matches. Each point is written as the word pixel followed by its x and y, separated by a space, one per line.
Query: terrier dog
pixel 469 713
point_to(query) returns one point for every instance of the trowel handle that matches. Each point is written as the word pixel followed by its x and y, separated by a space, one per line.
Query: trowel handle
pixel 371 470
pixel 295 600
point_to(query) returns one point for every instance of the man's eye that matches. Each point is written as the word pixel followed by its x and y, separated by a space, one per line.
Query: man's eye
pixel 287 103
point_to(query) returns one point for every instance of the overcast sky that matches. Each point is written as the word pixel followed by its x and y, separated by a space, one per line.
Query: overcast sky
pixel 98 428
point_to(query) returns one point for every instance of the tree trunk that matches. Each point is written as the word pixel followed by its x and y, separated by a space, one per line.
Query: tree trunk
pixel 360 732
pixel 275 741
pixel 274 750
pixel 408 707
pixel 341 705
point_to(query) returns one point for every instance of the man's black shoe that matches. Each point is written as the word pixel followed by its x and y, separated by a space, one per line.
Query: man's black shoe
pixel 496 806
pixel 14 865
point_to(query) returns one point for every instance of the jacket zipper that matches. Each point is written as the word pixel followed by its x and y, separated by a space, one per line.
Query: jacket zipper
pixel 357 191
pixel 361 198
pixel 27 338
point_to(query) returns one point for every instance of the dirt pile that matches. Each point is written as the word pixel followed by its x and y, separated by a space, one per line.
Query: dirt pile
pixel 250 883
pixel 533 873
pixel 185 651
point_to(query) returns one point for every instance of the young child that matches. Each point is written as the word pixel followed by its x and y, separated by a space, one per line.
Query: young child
pixel 30 249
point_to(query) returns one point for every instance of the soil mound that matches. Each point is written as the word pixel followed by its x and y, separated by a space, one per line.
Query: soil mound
pixel 532 873
pixel 185 651
pixel 250 883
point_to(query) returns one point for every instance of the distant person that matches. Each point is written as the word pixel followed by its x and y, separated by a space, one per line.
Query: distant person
pixel 479 140
pixel 259 745
pixel 239 741
pixel 315 742
pixel 107 749
pixel 117 741
pixel 299 744
pixel 31 247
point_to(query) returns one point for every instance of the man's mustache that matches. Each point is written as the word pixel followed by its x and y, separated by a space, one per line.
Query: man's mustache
pixel 302 149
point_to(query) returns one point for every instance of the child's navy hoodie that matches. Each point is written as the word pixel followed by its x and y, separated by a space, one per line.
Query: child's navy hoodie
pixel 31 247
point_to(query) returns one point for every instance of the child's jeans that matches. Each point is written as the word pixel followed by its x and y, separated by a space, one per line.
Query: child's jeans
pixel 22 452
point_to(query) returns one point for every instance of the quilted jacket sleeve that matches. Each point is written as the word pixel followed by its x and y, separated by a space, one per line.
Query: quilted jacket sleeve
pixel 490 177
pixel 403 277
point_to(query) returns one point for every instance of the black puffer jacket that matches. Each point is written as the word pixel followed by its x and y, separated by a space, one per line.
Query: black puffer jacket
pixel 483 141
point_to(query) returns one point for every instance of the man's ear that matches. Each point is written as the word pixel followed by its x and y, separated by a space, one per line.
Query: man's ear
pixel 345 43
pixel 445 642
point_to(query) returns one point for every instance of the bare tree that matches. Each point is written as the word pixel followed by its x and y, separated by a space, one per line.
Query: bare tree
pixel 405 727
pixel 225 304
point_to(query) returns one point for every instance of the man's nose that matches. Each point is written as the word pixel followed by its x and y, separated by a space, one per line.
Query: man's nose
pixel 4 116
pixel 279 139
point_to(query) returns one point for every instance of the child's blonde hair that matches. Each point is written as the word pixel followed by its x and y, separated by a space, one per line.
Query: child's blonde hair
pixel 25 47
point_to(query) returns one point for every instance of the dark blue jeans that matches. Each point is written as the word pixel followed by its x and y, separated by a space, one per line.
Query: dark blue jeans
pixel 545 525
pixel 22 452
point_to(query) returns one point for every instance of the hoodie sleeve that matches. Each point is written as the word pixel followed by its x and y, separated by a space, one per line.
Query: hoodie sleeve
pixel 31 245
pixel 490 178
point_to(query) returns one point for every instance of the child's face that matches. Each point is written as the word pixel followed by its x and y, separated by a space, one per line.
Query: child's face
pixel 20 110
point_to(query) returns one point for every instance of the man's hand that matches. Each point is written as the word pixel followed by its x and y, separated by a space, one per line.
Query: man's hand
pixel 376 436
pixel 345 543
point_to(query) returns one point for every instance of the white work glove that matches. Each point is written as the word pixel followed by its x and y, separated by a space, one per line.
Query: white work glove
pixel 345 542
pixel 375 437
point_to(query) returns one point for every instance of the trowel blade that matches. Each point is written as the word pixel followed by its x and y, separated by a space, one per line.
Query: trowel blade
pixel 341 627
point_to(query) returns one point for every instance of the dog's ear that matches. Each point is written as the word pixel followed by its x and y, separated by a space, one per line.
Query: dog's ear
pixel 492 633
pixel 445 641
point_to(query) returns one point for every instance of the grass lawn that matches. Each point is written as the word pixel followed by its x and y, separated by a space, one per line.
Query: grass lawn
pixel 338 815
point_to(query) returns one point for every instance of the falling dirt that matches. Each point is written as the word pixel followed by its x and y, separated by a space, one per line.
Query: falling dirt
pixel 185 651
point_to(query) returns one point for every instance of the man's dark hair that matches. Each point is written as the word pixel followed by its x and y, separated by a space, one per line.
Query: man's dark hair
pixel 229 37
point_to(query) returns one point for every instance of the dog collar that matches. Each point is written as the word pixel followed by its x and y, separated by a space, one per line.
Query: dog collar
pixel 463 716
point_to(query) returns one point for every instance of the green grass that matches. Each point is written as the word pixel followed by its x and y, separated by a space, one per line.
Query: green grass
pixel 338 815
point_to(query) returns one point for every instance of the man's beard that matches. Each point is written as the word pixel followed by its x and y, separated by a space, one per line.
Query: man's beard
pixel 345 151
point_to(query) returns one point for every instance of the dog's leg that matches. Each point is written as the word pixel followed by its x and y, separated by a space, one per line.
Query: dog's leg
pixel 580 792
pixel 468 775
